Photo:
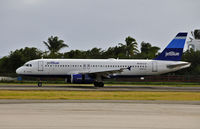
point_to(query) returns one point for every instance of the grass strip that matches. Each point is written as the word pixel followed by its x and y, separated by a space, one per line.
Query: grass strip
pixel 100 95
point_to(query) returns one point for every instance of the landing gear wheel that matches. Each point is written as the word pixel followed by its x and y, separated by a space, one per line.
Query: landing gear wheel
pixel 101 84
pixel 39 84
pixel 98 84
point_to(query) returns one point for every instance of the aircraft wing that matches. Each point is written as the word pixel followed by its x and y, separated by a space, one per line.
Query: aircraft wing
pixel 106 73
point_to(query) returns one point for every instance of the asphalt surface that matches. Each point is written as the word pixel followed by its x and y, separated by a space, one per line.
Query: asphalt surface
pixel 27 101
pixel 98 114
pixel 101 115
pixel 106 88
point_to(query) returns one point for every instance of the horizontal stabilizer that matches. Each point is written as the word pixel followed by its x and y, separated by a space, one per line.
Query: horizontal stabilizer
pixel 178 65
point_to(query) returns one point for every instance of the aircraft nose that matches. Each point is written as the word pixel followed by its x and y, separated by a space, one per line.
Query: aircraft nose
pixel 19 70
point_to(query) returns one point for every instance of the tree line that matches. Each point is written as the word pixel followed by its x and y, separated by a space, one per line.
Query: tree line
pixel 127 50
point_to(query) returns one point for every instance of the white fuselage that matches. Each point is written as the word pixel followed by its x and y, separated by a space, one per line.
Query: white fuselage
pixel 86 66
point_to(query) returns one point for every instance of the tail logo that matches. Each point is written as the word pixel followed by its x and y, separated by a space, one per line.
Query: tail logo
pixel 172 53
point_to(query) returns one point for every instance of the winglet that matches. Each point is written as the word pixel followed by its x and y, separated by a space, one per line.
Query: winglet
pixel 174 50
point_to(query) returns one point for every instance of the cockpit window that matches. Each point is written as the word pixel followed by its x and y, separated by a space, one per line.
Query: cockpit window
pixel 28 65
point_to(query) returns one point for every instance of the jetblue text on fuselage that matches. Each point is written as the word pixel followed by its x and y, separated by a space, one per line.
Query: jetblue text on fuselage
pixel 52 62
pixel 172 53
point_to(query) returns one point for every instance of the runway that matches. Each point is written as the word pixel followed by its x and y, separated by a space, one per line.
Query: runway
pixel 99 115
pixel 106 88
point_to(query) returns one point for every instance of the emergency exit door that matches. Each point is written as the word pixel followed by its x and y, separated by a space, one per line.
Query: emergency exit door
pixel 154 66
pixel 86 66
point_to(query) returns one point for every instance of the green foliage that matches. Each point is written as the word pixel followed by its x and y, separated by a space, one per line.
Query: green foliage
pixel 128 50
pixel 122 51
pixel 94 53
pixel 115 52
pixel 54 45
pixel 148 51
pixel 194 58
pixel 75 54
pixel 9 64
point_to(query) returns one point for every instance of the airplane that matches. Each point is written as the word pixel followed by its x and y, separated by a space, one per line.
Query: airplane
pixel 98 69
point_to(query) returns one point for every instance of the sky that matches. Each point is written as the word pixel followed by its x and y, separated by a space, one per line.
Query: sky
pixel 85 24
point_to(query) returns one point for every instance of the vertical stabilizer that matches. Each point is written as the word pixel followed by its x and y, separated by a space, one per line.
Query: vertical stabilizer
pixel 174 50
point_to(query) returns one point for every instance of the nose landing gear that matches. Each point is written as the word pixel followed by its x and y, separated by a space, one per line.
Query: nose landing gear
pixel 39 84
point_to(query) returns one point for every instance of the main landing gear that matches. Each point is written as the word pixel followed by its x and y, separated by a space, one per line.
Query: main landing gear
pixel 98 81
pixel 98 84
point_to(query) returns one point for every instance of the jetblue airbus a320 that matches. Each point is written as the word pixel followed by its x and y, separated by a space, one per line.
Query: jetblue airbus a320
pixel 97 69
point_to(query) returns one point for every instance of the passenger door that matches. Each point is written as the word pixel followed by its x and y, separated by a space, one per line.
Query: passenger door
pixel 40 65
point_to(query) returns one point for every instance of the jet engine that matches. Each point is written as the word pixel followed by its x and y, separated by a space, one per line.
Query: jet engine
pixel 81 78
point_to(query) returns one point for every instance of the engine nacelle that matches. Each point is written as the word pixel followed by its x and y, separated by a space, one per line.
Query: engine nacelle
pixel 81 78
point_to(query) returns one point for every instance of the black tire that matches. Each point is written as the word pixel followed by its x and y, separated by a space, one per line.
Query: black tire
pixel 98 84
pixel 101 84
pixel 39 84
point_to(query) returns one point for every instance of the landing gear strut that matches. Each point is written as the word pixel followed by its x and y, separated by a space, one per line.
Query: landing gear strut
pixel 39 84
pixel 98 81
pixel 98 84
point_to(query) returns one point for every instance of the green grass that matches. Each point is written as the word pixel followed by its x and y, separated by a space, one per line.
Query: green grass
pixel 100 95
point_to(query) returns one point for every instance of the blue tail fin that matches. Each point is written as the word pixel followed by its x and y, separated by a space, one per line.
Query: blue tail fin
pixel 174 50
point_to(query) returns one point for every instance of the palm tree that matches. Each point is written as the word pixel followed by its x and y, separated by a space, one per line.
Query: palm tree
pixel 130 46
pixel 54 45
pixel 148 51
